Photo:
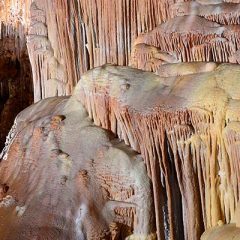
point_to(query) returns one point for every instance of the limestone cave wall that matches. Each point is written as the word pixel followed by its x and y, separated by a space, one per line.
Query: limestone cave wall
pixel 134 133
pixel 16 87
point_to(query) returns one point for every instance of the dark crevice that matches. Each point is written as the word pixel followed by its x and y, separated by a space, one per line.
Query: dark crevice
pixel 16 91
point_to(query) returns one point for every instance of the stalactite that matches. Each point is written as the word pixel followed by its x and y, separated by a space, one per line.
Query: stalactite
pixel 94 33
pixel 220 12
pixel 97 32
pixel 189 39
pixel 183 119
pixel 173 112
pixel 15 78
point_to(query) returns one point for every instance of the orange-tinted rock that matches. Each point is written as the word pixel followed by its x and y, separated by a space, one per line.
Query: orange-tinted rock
pixel 187 129
pixel 225 232
pixel 61 177
pixel 66 40
pixel 218 11
pixel 188 39
pixel 184 122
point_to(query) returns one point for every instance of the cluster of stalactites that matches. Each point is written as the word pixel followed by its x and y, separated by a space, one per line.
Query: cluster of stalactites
pixel 49 76
pixel 161 48
pixel 14 21
pixel 198 31
pixel 14 16
pixel 184 151
pixel 92 33
pixel 225 13
pixel 87 34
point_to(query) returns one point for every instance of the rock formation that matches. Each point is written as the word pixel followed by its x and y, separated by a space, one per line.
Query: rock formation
pixel 80 188
pixel 15 78
pixel 134 133
pixel 189 144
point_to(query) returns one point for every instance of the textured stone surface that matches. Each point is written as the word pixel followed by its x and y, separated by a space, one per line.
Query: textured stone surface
pixel 186 39
pixel 59 167
pixel 198 31
pixel 67 39
pixel 16 91
pixel 186 127
pixel 183 120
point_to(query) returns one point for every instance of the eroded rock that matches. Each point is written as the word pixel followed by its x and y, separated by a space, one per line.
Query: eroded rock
pixel 77 176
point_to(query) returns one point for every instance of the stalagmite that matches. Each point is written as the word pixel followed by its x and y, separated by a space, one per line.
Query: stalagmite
pixel 224 232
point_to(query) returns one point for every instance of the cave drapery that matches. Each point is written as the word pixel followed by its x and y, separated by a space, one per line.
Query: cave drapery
pixel 135 129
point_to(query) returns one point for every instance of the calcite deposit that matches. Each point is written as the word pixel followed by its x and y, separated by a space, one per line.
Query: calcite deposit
pixel 64 178
pixel 15 89
pixel 186 127
pixel 16 92
pixel 135 129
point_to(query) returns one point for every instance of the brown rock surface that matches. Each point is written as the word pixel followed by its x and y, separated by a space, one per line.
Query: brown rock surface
pixel 15 89
pixel 64 178
pixel 183 120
